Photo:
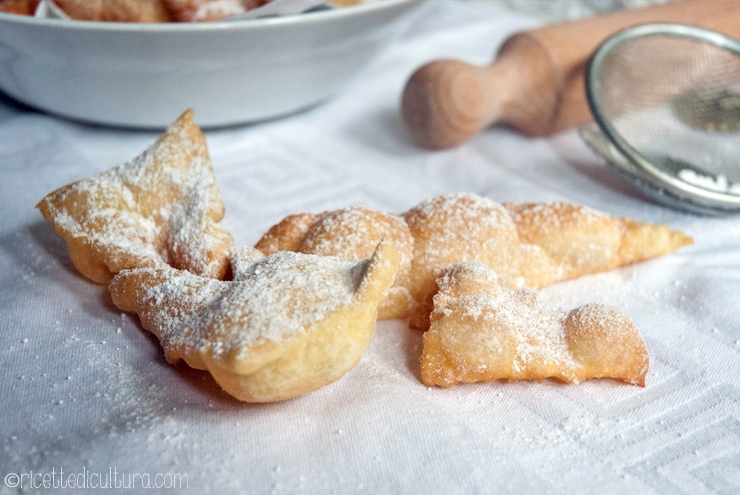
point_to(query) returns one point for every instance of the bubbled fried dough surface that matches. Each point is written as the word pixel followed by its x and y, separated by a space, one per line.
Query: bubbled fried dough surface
pixel 288 235
pixel 286 325
pixel 531 245
pixel 452 228
pixel 481 331
pixel 562 241
pixel 162 207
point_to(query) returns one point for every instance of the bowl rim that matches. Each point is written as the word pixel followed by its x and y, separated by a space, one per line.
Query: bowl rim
pixel 213 26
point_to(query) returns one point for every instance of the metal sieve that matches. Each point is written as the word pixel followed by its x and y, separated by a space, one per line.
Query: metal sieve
pixel 666 101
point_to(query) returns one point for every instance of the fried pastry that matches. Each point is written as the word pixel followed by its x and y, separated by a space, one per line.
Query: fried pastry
pixel 452 228
pixel 350 233
pixel 162 207
pixel 532 245
pixel 115 10
pixel 482 331
pixel 286 325
pixel 561 241
pixel 288 234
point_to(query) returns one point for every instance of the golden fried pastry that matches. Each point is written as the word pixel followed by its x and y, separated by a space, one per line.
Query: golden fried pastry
pixel 531 245
pixel 115 10
pixel 21 7
pixel 482 331
pixel 286 325
pixel 162 207
pixel 288 235
pixel 561 241
pixel 452 228
pixel 350 233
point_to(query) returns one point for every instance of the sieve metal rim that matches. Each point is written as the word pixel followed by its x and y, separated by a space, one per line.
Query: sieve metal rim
pixel 707 198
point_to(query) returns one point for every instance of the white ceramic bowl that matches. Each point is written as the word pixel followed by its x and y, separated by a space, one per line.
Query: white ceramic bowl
pixel 144 75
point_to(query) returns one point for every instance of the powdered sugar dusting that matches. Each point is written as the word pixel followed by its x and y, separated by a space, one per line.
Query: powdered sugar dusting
pixel 189 234
pixel 279 296
pixel 555 213
pixel 465 209
pixel 463 226
pixel 482 331
pixel 351 230
pixel 576 239
pixel 537 329
pixel 160 207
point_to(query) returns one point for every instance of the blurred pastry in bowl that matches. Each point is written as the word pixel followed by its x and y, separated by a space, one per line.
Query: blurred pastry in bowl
pixel 140 74
pixel 209 10
pixel 21 7
pixel 115 10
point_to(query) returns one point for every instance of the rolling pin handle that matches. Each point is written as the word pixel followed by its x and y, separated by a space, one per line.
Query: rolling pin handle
pixel 536 84
pixel 447 102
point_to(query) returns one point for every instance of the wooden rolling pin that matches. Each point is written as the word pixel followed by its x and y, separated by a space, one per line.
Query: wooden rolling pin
pixel 536 83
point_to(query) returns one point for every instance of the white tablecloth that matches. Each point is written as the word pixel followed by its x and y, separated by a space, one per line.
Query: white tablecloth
pixel 87 392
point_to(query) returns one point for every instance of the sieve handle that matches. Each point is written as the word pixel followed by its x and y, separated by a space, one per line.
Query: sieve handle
pixel 536 83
